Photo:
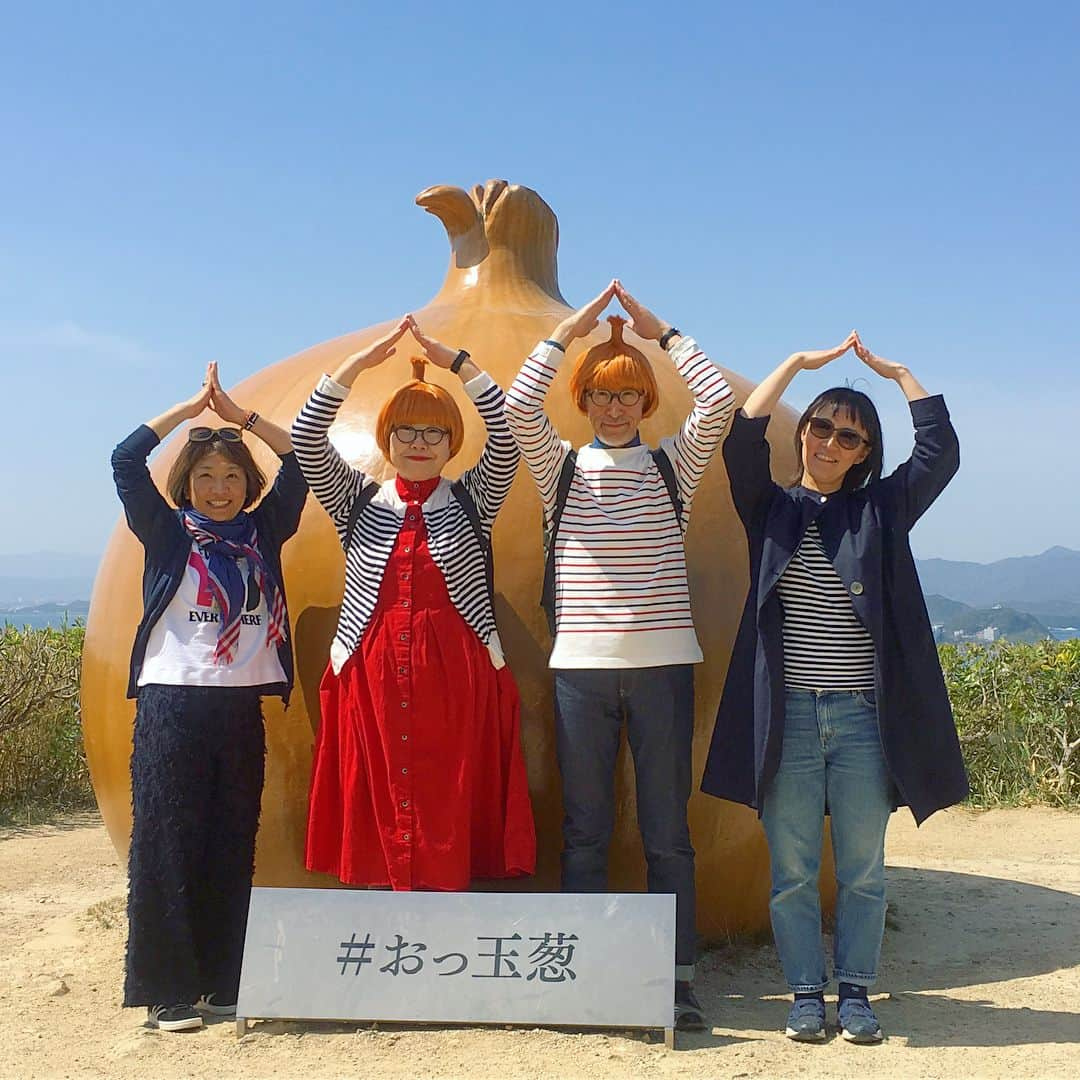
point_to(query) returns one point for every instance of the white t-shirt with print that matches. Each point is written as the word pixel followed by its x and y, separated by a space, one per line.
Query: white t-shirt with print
pixel 180 650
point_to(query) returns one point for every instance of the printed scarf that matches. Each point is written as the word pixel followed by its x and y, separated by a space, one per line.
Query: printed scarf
pixel 222 543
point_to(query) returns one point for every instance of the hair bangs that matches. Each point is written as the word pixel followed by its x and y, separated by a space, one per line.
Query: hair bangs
pixel 614 373
pixel 178 484
pixel 420 404
pixel 855 407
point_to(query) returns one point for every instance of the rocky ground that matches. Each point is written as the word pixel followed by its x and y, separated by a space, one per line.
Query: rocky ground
pixel 981 978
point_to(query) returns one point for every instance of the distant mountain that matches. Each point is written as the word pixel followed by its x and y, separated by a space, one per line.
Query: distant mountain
pixel 1046 584
pixel 43 577
pixel 968 621
pixel 38 616
pixel 941 609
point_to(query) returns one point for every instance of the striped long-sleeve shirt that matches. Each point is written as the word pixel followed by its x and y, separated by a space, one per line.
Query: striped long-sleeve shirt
pixel 451 539
pixel 621 594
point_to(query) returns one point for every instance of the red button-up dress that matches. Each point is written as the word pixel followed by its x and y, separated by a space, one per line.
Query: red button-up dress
pixel 418 780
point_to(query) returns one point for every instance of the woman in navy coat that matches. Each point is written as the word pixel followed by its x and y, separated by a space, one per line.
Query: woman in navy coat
pixel 835 700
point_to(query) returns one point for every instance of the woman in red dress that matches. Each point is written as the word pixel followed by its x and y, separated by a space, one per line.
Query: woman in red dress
pixel 418 780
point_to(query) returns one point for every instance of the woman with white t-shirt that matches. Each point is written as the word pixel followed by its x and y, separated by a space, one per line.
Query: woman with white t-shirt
pixel 214 638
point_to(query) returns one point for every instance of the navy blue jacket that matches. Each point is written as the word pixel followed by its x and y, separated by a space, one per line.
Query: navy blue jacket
pixel 865 534
pixel 167 544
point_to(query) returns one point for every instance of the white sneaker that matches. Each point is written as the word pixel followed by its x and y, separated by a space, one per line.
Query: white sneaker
pixel 212 1004
pixel 173 1017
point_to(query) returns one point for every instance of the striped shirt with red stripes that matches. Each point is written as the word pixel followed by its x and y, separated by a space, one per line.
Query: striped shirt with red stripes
pixel 621 594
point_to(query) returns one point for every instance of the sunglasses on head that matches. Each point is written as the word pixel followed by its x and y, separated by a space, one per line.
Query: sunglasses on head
pixel 821 427
pixel 431 435
pixel 206 434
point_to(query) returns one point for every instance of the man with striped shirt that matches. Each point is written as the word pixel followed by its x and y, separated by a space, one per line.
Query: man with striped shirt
pixel 624 636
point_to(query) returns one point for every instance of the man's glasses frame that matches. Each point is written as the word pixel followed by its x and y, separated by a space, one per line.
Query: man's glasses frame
pixel 602 398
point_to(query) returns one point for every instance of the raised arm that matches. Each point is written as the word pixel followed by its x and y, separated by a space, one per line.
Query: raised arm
pixel 541 447
pixel 766 395
pixel 145 508
pixel 282 505
pixel 746 451
pixel 333 480
pixel 489 480
pixel 276 438
pixel 936 457
pixel 701 432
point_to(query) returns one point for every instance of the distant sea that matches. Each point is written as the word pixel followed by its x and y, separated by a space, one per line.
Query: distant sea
pixel 37 618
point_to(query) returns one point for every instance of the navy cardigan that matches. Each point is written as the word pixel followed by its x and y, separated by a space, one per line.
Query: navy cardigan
pixel 865 534
pixel 167 544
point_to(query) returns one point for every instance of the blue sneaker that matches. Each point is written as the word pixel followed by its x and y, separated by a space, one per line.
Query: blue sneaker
pixel 857 1021
pixel 806 1021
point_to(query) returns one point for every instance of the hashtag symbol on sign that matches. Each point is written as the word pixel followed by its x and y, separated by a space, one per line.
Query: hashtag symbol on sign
pixel 351 947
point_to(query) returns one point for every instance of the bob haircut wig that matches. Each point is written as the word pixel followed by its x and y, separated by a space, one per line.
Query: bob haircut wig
pixel 842 401
pixel 178 486
pixel 420 404
pixel 614 365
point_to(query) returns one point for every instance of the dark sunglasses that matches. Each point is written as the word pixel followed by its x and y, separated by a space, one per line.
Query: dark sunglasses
pixel 821 427
pixel 431 435
pixel 206 434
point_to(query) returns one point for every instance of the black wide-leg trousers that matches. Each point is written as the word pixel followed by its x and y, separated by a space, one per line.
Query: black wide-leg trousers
pixel 196 783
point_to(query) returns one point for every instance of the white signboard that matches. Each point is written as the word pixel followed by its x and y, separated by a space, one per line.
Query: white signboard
pixel 605 960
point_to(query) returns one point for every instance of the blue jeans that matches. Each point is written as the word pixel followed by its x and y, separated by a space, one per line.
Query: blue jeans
pixel 658 706
pixel 832 757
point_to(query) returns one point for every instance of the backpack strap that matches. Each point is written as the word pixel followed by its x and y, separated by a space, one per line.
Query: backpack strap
pixel 461 493
pixel 363 497
pixel 551 529
pixel 667 471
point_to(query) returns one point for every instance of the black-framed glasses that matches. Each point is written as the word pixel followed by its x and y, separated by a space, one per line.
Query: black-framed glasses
pixel 431 435
pixel 206 434
pixel 601 398
pixel 821 427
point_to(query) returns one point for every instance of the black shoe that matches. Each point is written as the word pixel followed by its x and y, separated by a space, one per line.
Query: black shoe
pixel 173 1017
pixel 215 1006
pixel 688 1012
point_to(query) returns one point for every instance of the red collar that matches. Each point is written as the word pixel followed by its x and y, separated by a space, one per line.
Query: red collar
pixel 416 491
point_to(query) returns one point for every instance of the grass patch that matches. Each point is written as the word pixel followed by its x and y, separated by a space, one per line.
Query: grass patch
pixel 43 768
pixel 1017 709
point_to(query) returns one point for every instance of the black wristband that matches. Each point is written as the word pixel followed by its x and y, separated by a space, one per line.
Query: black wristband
pixel 667 336
pixel 555 344
pixel 460 359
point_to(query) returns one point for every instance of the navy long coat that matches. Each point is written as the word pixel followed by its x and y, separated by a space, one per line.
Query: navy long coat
pixel 865 534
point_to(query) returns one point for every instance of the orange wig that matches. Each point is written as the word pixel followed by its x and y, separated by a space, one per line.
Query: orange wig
pixel 614 365
pixel 420 404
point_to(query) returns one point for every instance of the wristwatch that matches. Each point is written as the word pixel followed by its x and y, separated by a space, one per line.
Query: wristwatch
pixel 668 335
pixel 460 359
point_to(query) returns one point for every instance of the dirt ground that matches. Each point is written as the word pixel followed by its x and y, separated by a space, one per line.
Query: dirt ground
pixel 980 978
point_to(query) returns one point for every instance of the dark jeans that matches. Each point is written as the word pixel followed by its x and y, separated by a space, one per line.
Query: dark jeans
pixel 657 704
pixel 196 784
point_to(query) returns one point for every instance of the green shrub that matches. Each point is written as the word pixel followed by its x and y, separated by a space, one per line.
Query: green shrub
pixel 1017 710
pixel 42 761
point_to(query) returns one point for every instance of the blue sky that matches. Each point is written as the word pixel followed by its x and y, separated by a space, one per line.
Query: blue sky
pixel 235 181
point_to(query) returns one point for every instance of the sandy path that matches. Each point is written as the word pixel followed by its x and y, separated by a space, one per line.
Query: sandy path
pixel 981 978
